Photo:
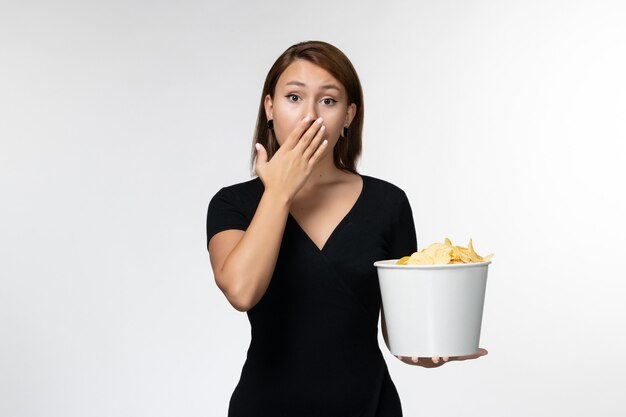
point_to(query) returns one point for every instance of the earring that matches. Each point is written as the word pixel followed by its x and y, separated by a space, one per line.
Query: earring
pixel 344 132
pixel 270 124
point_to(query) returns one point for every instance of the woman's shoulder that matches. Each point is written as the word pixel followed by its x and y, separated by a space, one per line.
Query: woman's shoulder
pixel 251 185
pixel 233 206
pixel 250 191
pixel 387 203
pixel 384 189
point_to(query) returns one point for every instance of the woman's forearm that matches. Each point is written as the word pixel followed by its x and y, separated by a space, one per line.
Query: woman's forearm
pixel 249 267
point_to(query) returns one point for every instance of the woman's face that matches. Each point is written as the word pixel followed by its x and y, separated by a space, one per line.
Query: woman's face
pixel 307 89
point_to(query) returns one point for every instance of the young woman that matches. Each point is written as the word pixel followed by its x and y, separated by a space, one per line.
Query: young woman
pixel 295 247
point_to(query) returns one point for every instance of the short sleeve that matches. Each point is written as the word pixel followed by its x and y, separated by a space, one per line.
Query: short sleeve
pixel 225 212
pixel 403 241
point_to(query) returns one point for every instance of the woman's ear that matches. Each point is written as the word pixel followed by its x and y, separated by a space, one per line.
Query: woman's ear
pixel 350 115
pixel 269 107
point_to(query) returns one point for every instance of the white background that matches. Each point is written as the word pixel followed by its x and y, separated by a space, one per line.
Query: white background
pixel 503 121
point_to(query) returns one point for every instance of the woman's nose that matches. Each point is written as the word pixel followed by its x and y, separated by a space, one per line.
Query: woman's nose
pixel 311 111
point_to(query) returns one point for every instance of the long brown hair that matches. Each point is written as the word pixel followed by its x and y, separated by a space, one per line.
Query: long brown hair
pixel 348 149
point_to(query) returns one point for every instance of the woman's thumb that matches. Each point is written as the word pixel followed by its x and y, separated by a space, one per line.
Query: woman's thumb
pixel 261 153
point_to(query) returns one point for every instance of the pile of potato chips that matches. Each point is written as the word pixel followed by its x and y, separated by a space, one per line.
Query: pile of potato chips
pixel 444 253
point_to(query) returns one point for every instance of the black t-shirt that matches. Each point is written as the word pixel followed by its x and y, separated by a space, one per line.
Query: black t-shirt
pixel 314 348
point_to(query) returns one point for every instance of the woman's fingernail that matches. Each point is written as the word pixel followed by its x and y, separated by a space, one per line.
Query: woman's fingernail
pixel 319 120
pixel 306 119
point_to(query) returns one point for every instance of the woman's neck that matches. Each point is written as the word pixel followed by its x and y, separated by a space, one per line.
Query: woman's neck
pixel 325 173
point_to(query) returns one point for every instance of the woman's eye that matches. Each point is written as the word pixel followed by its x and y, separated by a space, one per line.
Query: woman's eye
pixel 292 97
pixel 329 101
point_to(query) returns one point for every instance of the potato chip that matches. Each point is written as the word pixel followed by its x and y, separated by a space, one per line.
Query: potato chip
pixel 444 253
pixel 420 258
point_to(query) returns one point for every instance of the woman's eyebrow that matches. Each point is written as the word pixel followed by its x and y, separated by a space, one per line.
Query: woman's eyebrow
pixel 322 87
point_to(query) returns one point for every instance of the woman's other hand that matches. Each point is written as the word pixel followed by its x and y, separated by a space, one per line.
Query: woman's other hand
pixel 437 361
pixel 291 165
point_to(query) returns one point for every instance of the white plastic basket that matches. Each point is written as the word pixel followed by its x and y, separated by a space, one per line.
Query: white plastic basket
pixel 433 310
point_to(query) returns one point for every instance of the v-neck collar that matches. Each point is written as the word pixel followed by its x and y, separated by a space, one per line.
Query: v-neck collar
pixel 339 225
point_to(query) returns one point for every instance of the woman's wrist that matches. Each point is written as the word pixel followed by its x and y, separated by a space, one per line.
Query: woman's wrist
pixel 278 198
